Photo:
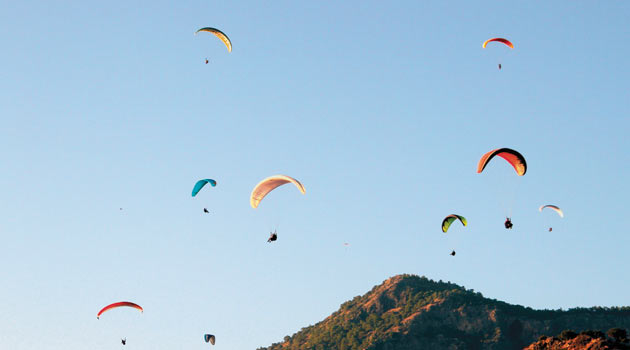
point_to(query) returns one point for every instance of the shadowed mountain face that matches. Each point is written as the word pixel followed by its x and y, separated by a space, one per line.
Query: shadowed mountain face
pixel 409 312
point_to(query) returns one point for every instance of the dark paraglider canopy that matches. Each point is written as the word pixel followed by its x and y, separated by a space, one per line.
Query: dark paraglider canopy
pixel 209 338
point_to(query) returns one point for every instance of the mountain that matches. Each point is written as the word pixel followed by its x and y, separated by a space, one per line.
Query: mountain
pixel 589 340
pixel 410 312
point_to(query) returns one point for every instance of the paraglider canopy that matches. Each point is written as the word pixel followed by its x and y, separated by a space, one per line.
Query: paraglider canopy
pixel 117 305
pixel 446 223
pixel 219 34
pixel 552 207
pixel 209 338
pixel 269 184
pixel 199 185
pixel 500 40
pixel 513 157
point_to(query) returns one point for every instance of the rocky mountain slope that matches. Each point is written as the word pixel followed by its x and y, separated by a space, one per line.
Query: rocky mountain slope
pixel 617 339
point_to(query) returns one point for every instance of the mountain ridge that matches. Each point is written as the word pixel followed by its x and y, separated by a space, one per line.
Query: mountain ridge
pixel 411 312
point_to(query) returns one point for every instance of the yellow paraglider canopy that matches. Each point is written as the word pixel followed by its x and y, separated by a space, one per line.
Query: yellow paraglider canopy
pixel 219 35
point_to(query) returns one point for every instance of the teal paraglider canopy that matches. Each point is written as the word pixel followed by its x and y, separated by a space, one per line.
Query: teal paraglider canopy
pixel 209 338
pixel 199 185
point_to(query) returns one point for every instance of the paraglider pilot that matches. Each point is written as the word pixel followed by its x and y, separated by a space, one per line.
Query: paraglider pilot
pixel 273 237
pixel 208 61
pixel 508 223
pixel 453 253
pixel 123 341
pixel 205 210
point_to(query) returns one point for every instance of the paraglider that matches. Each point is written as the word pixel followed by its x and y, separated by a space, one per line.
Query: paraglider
pixel 511 156
pixel 273 237
pixel 269 184
pixel 209 338
pixel 205 210
pixel 123 341
pixel 446 223
pixel 219 34
pixel 199 185
pixel 554 208
pixel 514 158
pixel 117 305
pixel 499 40
pixel 207 61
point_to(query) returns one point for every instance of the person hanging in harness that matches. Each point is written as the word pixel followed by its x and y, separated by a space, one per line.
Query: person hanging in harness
pixel 508 223
pixel 453 253
pixel 272 237
pixel 123 341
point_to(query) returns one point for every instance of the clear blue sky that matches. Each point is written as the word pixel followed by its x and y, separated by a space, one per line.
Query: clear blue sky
pixel 381 109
